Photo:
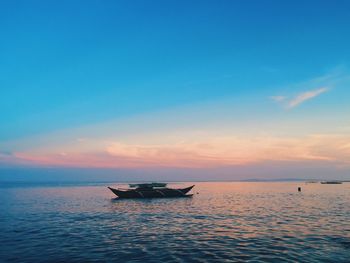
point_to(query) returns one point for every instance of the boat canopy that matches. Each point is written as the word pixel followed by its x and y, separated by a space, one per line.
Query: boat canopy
pixel 147 185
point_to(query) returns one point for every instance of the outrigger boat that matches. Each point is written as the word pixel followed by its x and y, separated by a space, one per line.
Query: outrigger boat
pixel 151 190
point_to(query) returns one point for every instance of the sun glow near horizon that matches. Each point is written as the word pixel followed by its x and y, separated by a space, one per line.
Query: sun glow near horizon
pixel 201 136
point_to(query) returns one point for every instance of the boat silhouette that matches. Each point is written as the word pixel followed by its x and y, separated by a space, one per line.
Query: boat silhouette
pixel 151 190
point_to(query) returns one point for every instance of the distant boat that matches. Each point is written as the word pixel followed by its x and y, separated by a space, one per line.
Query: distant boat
pixel 151 190
pixel 331 182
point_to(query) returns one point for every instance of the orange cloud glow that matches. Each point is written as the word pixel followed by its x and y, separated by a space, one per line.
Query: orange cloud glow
pixel 200 153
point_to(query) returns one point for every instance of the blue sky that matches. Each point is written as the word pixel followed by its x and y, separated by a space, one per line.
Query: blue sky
pixel 68 66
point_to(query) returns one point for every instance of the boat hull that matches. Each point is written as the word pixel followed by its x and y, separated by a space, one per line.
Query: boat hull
pixel 152 193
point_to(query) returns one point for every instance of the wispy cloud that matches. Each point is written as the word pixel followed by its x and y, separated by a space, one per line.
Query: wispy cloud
pixel 292 102
pixel 279 98
pixel 301 92
pixel 302 97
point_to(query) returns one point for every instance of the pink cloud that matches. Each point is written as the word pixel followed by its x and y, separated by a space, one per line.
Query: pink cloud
pixel 203 153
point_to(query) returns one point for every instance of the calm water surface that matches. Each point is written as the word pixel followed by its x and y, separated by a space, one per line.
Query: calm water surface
pixel 225 222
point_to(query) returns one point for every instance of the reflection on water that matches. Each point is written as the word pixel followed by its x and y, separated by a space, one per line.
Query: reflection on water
pixel 224 222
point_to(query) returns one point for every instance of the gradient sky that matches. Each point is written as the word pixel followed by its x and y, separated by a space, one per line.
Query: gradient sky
pixel 174 90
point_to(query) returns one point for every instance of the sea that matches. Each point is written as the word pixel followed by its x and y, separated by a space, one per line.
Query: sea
pixel 222 222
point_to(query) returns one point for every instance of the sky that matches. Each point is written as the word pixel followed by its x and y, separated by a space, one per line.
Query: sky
pixel 174 90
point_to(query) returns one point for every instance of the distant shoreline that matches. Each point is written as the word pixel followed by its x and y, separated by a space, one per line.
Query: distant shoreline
pixel 94 183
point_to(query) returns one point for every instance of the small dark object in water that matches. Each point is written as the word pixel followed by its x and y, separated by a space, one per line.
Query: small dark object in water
pixel 299 189
pixel 150 191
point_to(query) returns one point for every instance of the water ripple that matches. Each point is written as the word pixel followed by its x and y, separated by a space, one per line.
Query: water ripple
pixel 226 222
